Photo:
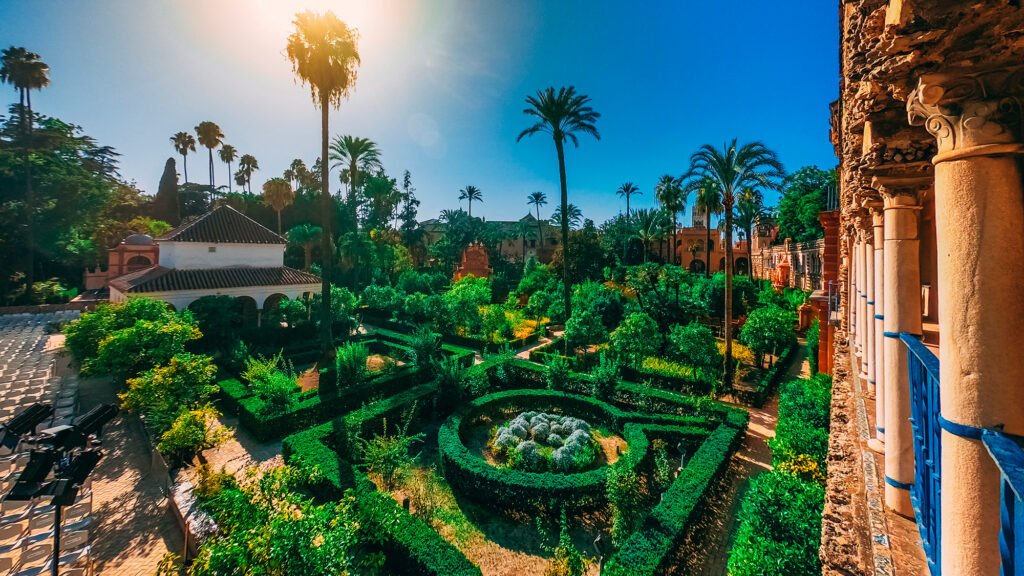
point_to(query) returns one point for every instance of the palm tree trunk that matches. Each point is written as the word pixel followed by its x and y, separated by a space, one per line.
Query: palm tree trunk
pixel 470 207
pixel 540 229
pixel 565 229
pixel 728 377
pixel 629 229
pixel 230 187
pixel 184 165
pixel 326 337
pixel 750 253
pixel 210 150
pixel 29 201
pixel 307 250
pixel 278 222
pixel 675 236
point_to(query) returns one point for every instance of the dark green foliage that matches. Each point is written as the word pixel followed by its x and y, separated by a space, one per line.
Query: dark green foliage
pixel 605 376
pixel 803 199
pixel 804 416
pixel 557 373
pixel 769 329
pixel 605 304
pixel 350 364
pixel 218 318
pixel 744 293
pixel 165 204
pixel 584 328
pixel 695 346
pixel 277 393
pixel 779 528
pixel 635 339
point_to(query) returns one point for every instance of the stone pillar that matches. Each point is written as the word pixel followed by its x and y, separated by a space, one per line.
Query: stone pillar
pixel 902 313
pixel 877 222
pixel 868 362
pixel 861 295
pixel 829 287
pixel 979 216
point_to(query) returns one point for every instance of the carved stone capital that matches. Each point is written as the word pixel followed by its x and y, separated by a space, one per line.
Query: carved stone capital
pixel 971 114
pixel 901 192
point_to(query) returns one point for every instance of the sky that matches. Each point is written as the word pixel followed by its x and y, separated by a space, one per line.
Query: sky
pixel 442 86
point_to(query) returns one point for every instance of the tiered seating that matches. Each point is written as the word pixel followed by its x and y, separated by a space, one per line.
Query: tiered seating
pixel 27 527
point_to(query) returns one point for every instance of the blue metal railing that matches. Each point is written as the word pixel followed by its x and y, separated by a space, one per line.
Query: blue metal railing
pixel 1009 457
pixel 924 418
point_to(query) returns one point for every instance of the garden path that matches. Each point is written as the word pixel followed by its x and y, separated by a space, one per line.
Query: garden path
pixel 706 552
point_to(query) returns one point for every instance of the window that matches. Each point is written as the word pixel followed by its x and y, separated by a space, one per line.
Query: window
pixel 212 249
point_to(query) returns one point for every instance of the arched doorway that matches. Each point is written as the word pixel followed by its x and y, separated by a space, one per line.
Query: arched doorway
pixel 721 264
pixel 742 266
pixel 272 309
pixel 136 263
pixel 697 266
pixel 248 311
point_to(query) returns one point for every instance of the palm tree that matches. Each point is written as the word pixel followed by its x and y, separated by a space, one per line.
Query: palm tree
pixel 471 193
pixel 538 199
pixel 210 136
pixel 709 201
pixel 527 232
pixel 562 114
pixel 26 72
pixel 296 173
pixel 324 53
pixel 248 164
pixel 733 168
pixel 693 247
pixel 749 211
pixel 278 194
pixel 575 216
pixel 227 155
pixel 305 235
pixel 626 190
pixel 183 144
pixel 649 224
pixel 669 192
pixel 356 157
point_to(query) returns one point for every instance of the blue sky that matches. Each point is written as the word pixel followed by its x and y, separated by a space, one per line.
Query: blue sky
pixel 442 84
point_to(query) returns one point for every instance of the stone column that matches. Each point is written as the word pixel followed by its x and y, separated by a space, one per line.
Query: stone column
pixel 979 217
pixel 868 362
pixel 877 222
pixel 902 313
pixel 861 295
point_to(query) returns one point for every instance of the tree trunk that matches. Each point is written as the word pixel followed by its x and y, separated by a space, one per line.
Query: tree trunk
pixel 727 380
pixel 210 150
pixel 307 250
pixel 326 336
pixel 750 253
pixel 540 229
pixel 707 243
pixel 230 187
pixel 29 200
pixel 565 228
pixel 278 222
pixel 675 236
pixel 184 165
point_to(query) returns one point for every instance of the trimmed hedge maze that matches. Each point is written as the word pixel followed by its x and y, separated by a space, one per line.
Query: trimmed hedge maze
pixel 325 427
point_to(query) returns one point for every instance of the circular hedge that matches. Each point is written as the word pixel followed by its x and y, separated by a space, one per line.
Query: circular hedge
pixel 469 473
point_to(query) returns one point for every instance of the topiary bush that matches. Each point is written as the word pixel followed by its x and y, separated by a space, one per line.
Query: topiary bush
pixel 543 442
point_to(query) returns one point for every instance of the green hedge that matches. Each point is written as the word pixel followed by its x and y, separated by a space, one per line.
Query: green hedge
pixel 410 545
pixel 544 354
pixel 804 418
pixel 667 378
pixel 380 320
pixel 648 548
pixel 506 489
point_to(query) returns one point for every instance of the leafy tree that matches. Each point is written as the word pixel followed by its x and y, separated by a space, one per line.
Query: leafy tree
pixel 166 205
pixel 192 432
pixel 584 328
pixel 305 235
pixel 605 377
pixel 695 346
pixel 562 114
pixel 382 197
pixel 733 168
pixel 160 393
pixel 709 201
pixel 464 300
pixel 144 345
pixel 672 197
pixel 324 53
pixel 804 197
pixel 557 373
pixel 218 318
pixel 636 339
pixel 768 329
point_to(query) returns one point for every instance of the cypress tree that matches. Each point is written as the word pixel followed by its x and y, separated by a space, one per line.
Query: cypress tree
pixel 166 206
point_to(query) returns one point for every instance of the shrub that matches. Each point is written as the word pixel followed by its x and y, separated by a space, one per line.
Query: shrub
pixel 384 298
pixel 584 328
pixel 813 342
pixel 192 432
pixel 779 528
pixel 804 415
pixel 605 376
pixel 161 392
pixel 768 329
pixel 566 560
pixel 260 367
pixel 386 456
pixel 635 339
pixel 424 348
pixel 695 346
pixel 216 317
pixel 83 336
pixel 625 496
pixel 350 364
pixel 464 300
pixel 277 392
pixel 558 373
pixel 605 304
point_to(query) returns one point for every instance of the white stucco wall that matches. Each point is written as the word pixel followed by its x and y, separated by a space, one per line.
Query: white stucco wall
pixel 195 255
pixel 180 299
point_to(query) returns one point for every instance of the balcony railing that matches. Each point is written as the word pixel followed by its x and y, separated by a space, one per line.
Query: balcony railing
pixel 1006 452
pixel 924 418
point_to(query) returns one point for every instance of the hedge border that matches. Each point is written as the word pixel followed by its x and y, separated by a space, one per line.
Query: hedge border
pixel 519 490
pixel 770 380
pixel 383 321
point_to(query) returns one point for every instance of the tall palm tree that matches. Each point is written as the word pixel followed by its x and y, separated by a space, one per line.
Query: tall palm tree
pixel 210 136
pixel 709 201
pixel 356 157
pixel 627 190
pixel 248 164
pixel 527 232
pixel 26 72
pixel 669 192
pixel 297 173
pixel 538 199
pixel 278 194
pixel 649 225
pixel 471 193
pixel 562 114
pixel 227 155
pixel 184 143
pixel 749 211
pixel 693 247
pixel 324 53
pixel 732 168
pixel 305 235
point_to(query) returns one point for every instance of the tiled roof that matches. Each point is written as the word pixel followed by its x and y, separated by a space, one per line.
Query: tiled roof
pixel 223 224
pixel 160 279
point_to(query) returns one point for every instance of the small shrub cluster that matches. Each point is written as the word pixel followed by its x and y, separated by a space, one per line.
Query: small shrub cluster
pixel 542 442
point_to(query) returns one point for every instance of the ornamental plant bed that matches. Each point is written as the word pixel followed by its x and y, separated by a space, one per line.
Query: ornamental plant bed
pixel 757 394
pixel 380 320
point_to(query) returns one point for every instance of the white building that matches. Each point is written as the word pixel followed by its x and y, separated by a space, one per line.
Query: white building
pixel 221 253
